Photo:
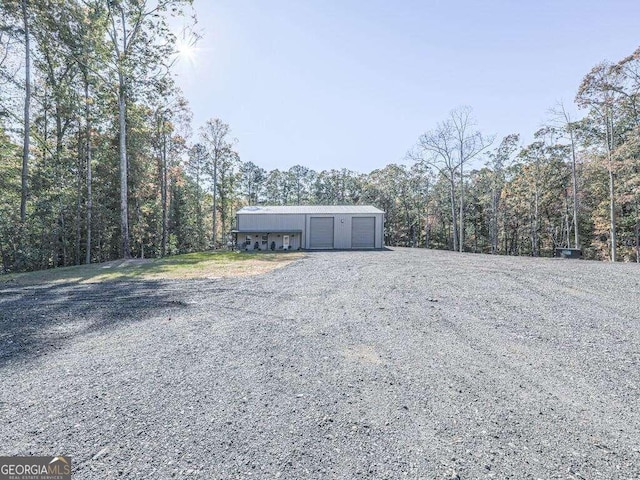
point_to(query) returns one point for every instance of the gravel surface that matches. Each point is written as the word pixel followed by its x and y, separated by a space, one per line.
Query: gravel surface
pixel 389 364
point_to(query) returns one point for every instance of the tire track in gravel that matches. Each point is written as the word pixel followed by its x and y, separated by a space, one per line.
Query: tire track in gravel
pixel 404 363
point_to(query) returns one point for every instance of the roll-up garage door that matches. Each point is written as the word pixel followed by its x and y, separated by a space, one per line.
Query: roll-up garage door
pixel 321 232
pixel 363 232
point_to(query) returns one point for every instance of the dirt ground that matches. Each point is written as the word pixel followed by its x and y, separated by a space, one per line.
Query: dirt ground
pixel 384 364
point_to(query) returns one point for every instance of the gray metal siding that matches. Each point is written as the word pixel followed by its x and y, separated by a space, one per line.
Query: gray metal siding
pixel 321 235
pixel 363 234
pixel 273 221
pixel 342 232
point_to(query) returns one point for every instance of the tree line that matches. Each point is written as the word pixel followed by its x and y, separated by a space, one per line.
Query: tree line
pixel 90 123
pixel 98 159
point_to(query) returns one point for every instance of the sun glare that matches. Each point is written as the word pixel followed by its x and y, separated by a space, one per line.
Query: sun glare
pixel 186 51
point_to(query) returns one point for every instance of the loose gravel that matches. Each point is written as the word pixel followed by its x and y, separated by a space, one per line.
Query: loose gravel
pixel 388 364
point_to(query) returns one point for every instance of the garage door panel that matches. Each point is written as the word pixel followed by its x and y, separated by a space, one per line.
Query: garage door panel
pixel 321 236
pixel 363 232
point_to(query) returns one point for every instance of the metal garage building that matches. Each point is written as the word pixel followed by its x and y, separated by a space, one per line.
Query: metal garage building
pixel 315 227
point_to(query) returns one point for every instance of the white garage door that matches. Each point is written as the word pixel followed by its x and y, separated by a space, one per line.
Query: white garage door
pixel 363 232
pixel 321 232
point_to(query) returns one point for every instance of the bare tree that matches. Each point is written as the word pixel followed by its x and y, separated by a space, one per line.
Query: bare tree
pixel 469 144
pixel 447 148
pixel 569 127
pixel 437 148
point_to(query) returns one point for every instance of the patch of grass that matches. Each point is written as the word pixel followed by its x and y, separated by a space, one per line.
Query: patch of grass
pixel 187 266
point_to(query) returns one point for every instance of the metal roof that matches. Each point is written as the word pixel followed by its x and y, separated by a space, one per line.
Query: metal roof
pixel 309 209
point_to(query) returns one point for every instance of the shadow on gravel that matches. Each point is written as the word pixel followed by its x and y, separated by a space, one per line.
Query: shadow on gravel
pixel 36 320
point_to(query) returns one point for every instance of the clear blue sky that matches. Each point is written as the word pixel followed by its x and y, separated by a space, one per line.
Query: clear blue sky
pixel 352 83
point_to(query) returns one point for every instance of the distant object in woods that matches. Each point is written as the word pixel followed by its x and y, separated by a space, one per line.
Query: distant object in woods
pixel 568 253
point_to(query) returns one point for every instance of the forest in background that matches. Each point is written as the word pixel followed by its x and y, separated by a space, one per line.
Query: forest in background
pixel 99 160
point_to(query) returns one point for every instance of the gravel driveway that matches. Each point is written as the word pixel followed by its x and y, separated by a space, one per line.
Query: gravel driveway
pixel 388 364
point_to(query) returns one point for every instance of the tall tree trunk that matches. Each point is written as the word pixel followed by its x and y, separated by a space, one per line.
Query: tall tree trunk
pixel 536 214
pixel 475 235
pixel 27 117
pixel 89 173
pixel 612 214
pixel 79 197
pixel 505 232
pixel 426 228
pixel 461 230
pixel 5 258
pixel 612 200
pixel 138 214
pixel 62 236
pixel 426 215
pixel 53 243
pixel 494 221
pixel 215 197
pixel 637 231
pixel 454 220
pixel 199 219
pixel 574 179
pixel 223 210
pixel 124 201
pixel 568 228
pixel 163 188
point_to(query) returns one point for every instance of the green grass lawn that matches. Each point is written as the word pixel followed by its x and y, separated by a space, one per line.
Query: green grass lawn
pixel 190 265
